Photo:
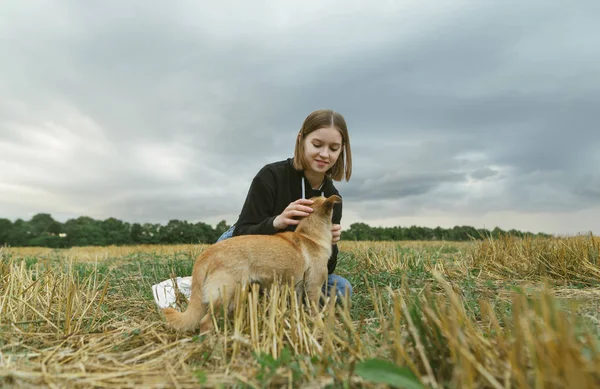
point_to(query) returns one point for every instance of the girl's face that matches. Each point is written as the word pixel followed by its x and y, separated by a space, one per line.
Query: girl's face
pixel 322 148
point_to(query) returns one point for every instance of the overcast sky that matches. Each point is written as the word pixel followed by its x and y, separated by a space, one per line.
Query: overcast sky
pixel 462 113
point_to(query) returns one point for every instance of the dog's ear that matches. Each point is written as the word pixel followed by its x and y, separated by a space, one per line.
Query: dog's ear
pixel 334 199
pixel 329 201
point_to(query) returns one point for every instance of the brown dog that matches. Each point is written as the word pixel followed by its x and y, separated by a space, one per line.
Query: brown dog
pixel 296 256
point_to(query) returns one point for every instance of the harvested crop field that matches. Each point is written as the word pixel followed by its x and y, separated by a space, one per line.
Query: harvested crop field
pixel 497 313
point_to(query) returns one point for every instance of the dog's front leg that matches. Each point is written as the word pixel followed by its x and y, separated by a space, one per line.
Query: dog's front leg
pixel 315 279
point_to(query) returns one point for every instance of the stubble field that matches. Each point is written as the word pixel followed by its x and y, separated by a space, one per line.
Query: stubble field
pixel 502 313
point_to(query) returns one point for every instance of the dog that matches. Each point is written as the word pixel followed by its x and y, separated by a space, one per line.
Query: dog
pixel 300 257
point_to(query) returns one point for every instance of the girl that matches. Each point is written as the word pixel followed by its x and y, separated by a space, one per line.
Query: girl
pixel 279 193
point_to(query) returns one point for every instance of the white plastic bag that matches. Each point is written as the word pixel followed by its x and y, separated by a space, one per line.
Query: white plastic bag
pixel 164 292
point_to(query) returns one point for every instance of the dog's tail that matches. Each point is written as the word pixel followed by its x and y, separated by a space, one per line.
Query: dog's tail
pixel 189 319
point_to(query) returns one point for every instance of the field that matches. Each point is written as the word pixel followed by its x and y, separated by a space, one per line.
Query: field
pixel 503 313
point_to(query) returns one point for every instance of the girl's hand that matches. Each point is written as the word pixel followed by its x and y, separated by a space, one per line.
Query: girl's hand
pixel 336 230
pixel 297 209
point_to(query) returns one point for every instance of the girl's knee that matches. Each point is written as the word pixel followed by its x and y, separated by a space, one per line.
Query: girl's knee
pixel 343 285
pixel 346 287
pixel 349 288
pixel 227 234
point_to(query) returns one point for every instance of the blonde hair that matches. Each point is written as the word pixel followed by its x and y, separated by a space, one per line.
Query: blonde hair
pixel 323 118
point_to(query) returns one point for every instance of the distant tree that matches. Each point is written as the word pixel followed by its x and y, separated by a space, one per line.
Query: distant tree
pixel 84 231
pixel 169 234
pixel 361 231
pixel 205 233
pixel 136 233
pixel 151 233
pixel 44 231
pixel 19 234
pixel 116 232
pixel 43 223
pixel 6 227
pixel 221 228
pixel 497 232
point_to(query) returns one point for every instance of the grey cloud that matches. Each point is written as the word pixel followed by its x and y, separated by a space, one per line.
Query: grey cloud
pixel 218 91
pixel 391 186
pixel 483 173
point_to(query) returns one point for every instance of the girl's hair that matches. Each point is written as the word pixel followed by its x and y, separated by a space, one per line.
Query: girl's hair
pixel 320 119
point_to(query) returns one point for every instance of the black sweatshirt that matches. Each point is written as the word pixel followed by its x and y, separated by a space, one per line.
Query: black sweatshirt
pixel 274 187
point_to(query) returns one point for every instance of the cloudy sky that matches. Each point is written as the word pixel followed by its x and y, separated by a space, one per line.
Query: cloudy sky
pixel 460 113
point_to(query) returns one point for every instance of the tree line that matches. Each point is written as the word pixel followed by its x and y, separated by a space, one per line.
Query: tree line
pixel 362 231
pixel 42 230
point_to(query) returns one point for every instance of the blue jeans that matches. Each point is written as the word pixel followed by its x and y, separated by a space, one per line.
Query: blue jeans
pixel 342 285
pixel 226 234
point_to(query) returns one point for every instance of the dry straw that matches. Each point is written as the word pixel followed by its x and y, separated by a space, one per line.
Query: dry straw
pixel 566 260
pixel 60 328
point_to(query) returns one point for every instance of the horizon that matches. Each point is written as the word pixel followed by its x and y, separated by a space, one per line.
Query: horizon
pixel 214 225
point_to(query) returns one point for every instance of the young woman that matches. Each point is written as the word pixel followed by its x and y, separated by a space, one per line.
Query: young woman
pixel 279 193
